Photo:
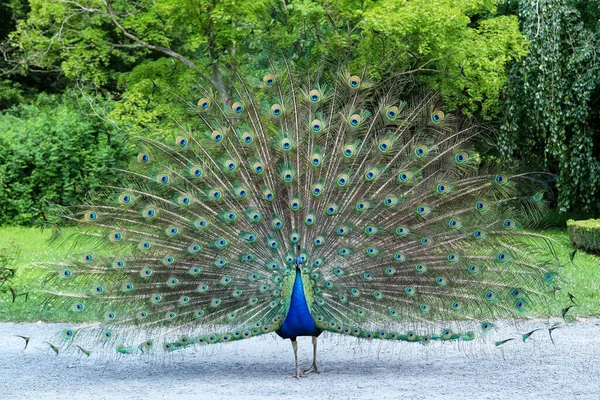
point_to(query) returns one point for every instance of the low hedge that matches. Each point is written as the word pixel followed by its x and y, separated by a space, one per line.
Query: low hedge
pixel 585 234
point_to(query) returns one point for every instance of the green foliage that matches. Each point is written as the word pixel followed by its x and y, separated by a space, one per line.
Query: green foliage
pixel 51 154
pixel 585 234
pixel 149 105
pixel 81 39
pixel 550 98
pixel 464 45
pixel 10 12
pixel 10 93
pixel 53 36
pixel 589 12
pixel 462 48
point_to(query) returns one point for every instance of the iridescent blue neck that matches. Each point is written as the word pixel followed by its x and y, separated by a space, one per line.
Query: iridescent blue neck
pixel 298 321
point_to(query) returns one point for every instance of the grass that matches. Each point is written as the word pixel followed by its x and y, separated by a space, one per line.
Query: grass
pixel 582 279
pixel 30 248
pixel 27 249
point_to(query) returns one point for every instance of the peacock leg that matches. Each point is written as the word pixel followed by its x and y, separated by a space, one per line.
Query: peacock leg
pixel 297 374
pixel 313 367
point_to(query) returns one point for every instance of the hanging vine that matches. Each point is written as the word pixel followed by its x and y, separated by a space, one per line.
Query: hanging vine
pixel 548 101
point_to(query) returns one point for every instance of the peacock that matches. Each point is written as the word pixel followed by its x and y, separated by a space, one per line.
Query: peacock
pixel 303 203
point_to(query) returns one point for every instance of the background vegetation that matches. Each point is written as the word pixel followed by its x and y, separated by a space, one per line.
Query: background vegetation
pixel 53 151
pixel 529 66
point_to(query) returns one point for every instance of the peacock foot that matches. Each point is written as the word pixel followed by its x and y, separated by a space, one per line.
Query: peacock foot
pixel 312 369
pixel 297 374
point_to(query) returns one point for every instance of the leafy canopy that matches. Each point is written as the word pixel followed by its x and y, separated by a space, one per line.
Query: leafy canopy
pixel 463 48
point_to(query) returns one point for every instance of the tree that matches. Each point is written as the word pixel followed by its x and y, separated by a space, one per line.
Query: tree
pixel 549 101
pixel 11 91
pixel 136 56
pixel 463 48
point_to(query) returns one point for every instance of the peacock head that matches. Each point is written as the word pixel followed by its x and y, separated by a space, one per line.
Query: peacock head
pixel 299 261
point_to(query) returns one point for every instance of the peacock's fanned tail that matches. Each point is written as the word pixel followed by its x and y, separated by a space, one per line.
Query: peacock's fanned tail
pixel 403 236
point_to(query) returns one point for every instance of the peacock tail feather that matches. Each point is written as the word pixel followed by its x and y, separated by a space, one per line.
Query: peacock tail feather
pixel 380 200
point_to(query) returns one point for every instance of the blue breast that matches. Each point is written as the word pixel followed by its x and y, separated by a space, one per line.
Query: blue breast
pixel 298 321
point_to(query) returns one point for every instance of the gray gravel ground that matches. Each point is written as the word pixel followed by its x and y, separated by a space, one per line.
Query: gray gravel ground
pixel 351 369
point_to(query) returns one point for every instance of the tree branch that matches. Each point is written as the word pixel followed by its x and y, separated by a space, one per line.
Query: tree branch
pixel 165 50
pixel 126 46
pixel 216 80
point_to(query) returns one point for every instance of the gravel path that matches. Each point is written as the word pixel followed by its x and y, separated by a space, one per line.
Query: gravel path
pixel 351 369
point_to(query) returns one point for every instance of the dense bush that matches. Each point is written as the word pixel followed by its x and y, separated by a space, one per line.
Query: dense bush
pixel 51 154
pixel 585 234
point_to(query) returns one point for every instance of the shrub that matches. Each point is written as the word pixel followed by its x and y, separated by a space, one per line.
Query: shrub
pixel 52 154
pixel 585 234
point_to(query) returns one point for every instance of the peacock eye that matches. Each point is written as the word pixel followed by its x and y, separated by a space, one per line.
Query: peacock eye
pixel 437 116
pixel 269 79
pixel 204 103
pixel 237 107
pixel 354 82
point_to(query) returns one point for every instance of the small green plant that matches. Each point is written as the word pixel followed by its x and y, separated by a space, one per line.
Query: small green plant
pixel 9 254
pixel 585 234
